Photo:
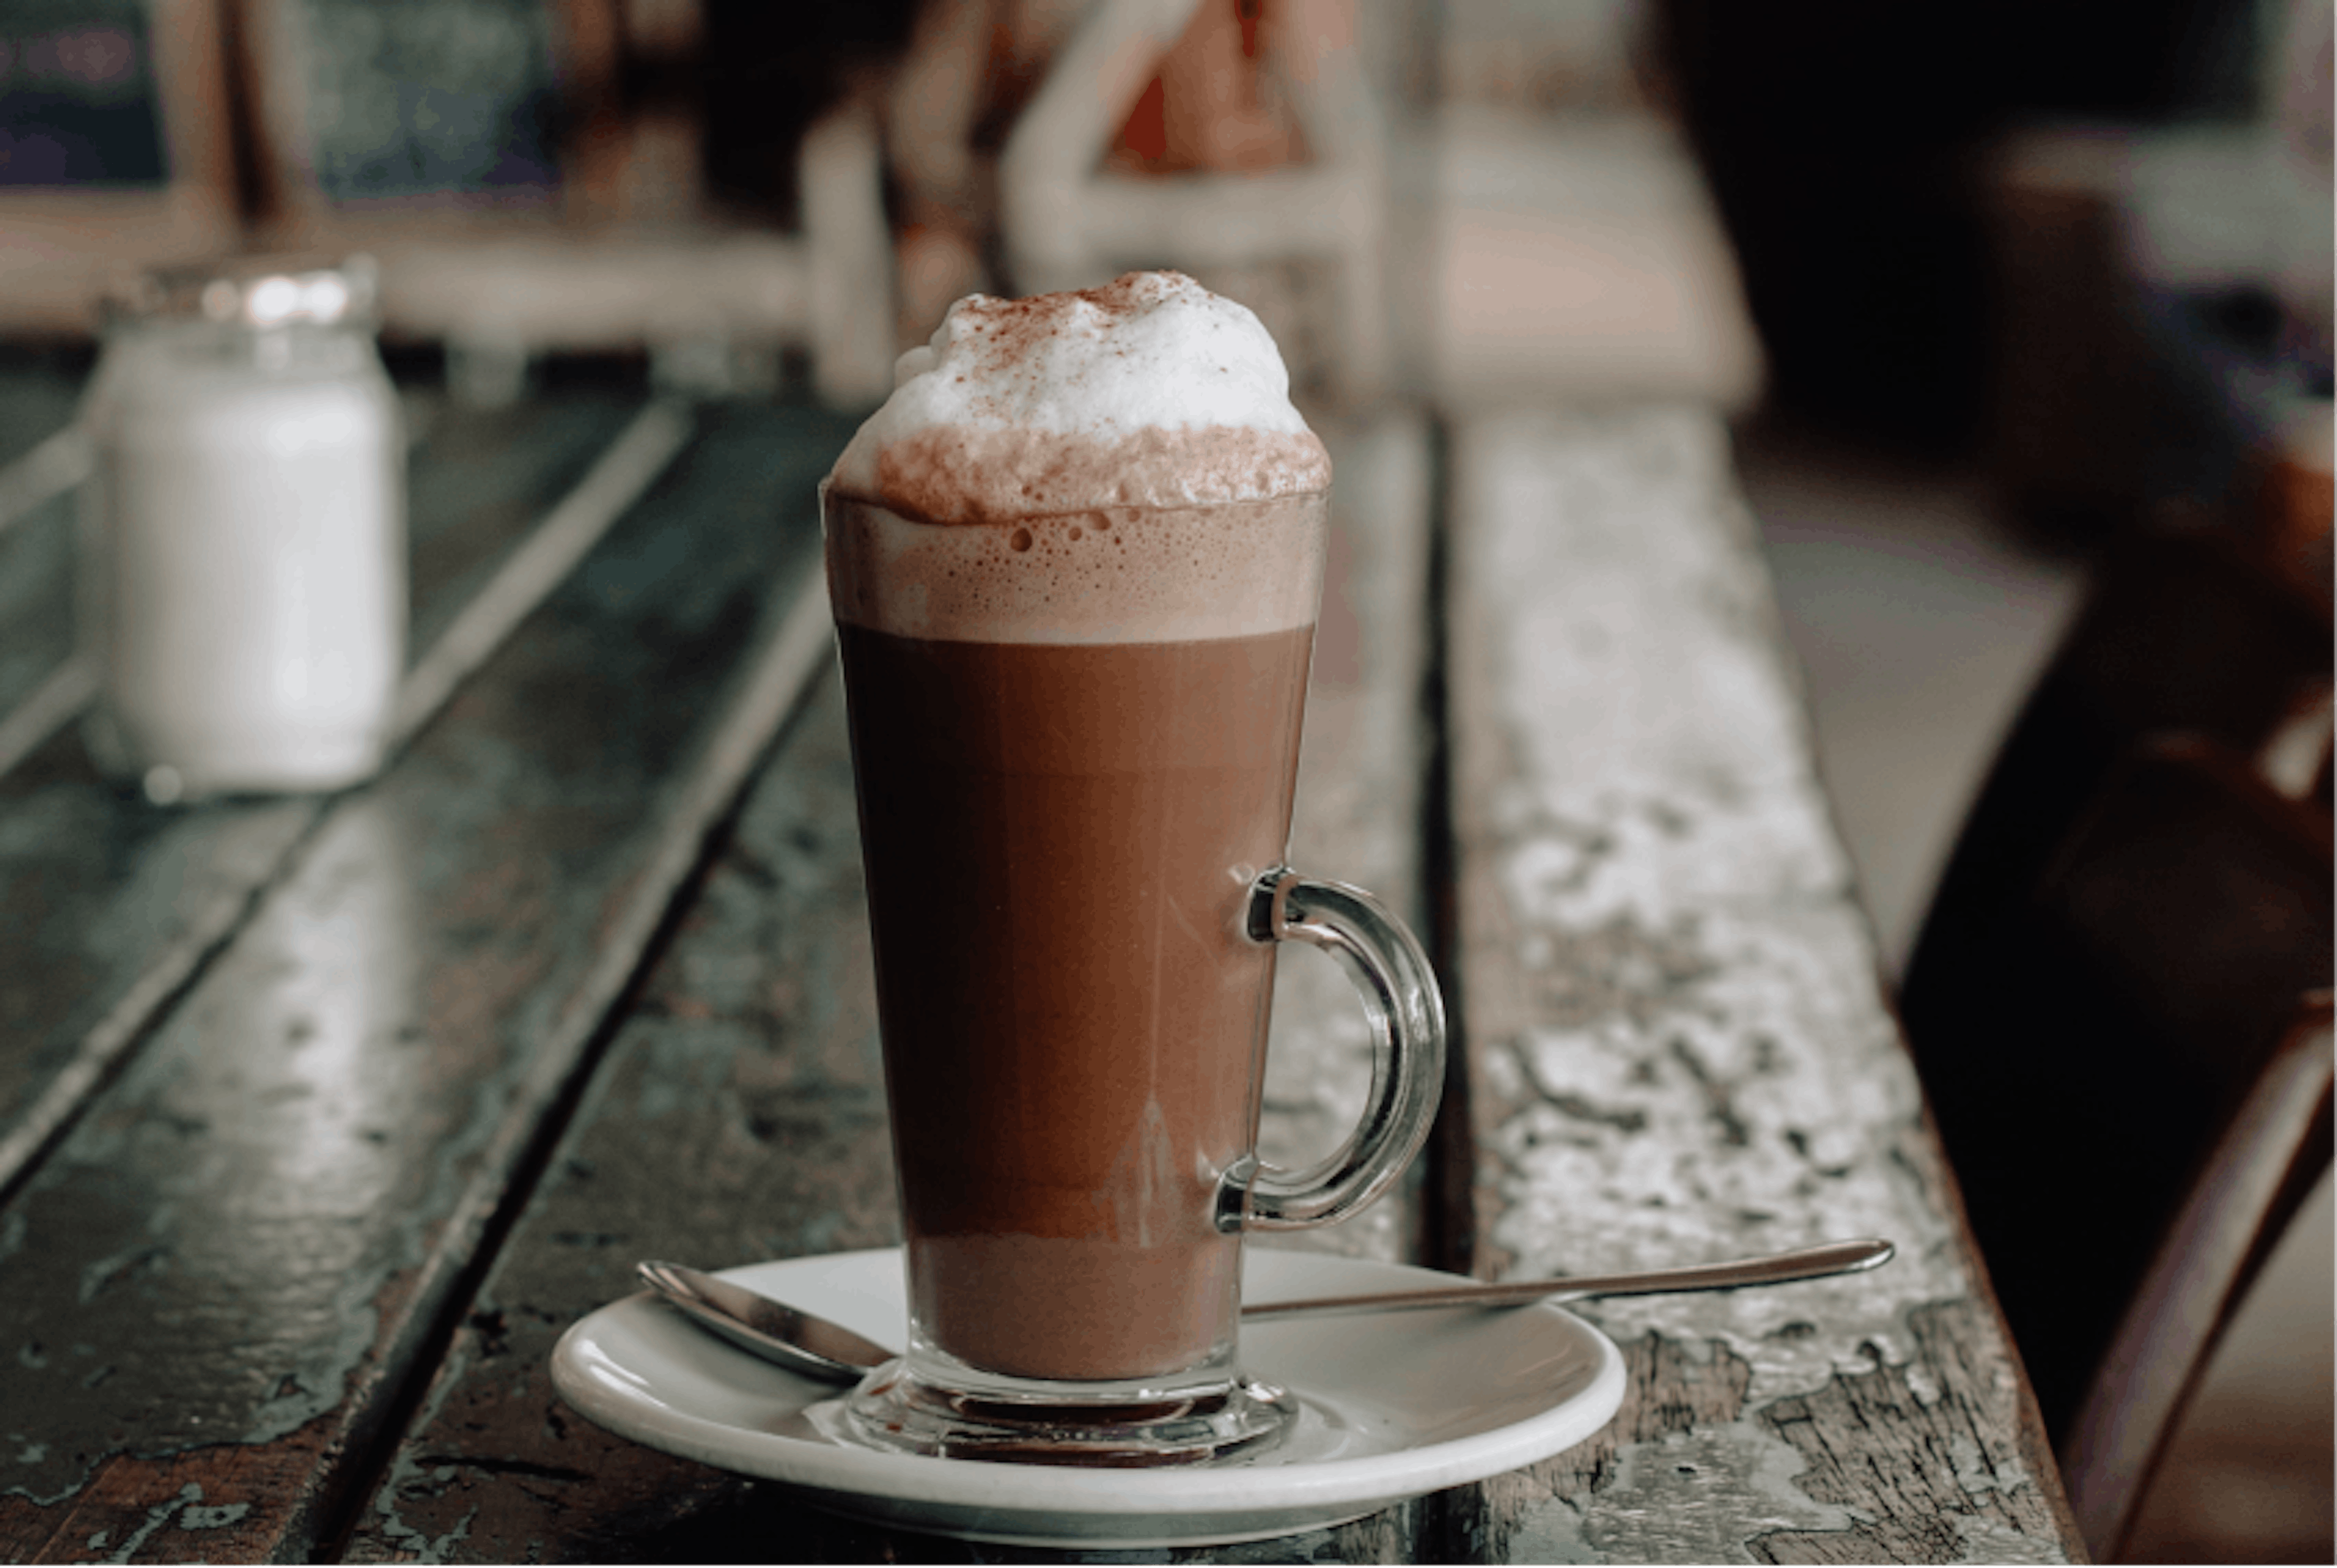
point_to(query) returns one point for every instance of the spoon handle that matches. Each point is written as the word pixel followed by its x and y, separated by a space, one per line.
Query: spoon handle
pixel 1805 1263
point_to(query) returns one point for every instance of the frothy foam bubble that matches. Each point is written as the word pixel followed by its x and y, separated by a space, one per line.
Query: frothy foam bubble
pixel 1148 391
pixel 1110 575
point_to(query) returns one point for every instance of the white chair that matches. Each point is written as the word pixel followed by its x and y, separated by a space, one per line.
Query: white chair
pixel 1068 222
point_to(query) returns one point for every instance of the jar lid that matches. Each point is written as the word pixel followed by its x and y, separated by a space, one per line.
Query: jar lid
pixel 256 291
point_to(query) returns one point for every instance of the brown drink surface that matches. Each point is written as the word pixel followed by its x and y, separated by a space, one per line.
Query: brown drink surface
pixel 1063 835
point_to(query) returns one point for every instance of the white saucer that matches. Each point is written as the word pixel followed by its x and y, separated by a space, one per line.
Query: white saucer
pixel 1392 1405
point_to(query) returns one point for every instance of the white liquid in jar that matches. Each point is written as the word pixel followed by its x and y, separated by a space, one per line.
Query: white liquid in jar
pixel 244 562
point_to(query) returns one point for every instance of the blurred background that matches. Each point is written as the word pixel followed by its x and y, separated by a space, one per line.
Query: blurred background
pixel 1985 289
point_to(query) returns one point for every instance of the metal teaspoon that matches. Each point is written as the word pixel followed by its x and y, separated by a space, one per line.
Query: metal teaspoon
pixel 817 1348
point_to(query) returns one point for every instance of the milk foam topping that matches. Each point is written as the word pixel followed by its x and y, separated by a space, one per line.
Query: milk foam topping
pixel 1114 464
pixel 1150 390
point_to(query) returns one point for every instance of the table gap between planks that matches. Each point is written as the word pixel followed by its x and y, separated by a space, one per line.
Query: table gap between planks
pixel 483 1033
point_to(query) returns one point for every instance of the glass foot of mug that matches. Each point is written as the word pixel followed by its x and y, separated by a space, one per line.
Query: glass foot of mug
pixel 896 1410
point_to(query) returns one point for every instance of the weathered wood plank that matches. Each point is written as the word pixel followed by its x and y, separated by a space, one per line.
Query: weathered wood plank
pixel 740 1115
pixel 216 1286
pixel 112 904
pixel 40 456
pixel 1679 1047
pixel 479 481
pixel 36 598
pixel 38 394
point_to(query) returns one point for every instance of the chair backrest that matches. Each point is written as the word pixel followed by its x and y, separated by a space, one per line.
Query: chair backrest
pixel 1070 222
pixel 2272 1150
pixel 2179 632
pixel 2098 1065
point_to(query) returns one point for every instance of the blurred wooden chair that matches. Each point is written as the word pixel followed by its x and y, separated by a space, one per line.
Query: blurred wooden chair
pixel 1071 219
pixel 684 294
pixel 2130 1068
pixel 2184 632
pixel 2274 1146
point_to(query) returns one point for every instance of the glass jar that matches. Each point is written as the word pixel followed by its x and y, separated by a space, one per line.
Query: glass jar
pixel 243 582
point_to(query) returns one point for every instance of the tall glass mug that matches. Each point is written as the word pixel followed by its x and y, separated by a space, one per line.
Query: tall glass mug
pixel 1075 740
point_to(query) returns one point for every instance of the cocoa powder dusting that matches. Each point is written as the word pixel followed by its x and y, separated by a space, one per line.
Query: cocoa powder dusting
pixel 1012 328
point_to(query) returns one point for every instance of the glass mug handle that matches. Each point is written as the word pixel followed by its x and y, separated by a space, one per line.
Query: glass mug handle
pixel 1405 1012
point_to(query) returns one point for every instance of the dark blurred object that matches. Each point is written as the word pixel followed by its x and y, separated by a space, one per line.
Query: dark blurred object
pixel 769 72
pixel 2181 632
pixel 2115 953
pixel 2129 1066
pixel 2275 1145
pixel 2295 499
pixel 407 102
pixel 1839 146
pixel 78 104
pixel 2149 342
pixel 628 75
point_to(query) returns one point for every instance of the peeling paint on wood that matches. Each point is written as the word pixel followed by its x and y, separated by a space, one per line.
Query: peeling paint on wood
pixel 1946 1485
pixel 1679 1443
pixel 1679 1050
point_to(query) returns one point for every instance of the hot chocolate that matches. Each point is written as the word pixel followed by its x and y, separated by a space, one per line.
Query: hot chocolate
pixel 1057 838
pixel 1075 563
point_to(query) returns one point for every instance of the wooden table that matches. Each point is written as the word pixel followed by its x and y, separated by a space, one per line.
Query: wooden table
pixel 321 1119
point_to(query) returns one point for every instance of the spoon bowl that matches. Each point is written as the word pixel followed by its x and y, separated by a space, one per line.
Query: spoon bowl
pixel 798 1340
